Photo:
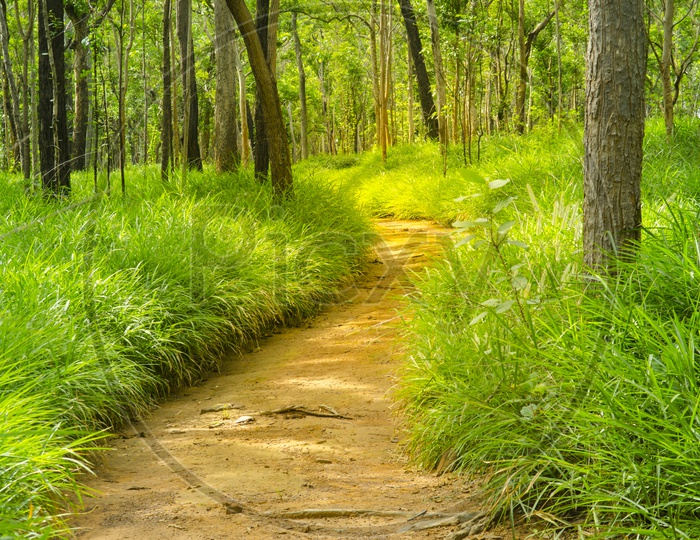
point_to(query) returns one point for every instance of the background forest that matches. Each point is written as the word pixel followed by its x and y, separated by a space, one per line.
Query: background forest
pixel 151 224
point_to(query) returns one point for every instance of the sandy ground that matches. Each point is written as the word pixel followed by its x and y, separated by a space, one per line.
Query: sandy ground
pixel 182 474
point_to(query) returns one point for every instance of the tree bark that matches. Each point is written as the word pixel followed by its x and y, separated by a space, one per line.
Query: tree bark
pixel 302 90
pixel 20 134
pixel 261 151
pixel 78 14
pixel 524 49
pixel 226 154
pixel 614 130
pixel 54 146
pixel 280 159
pixel 440 80
pixel 166 134
pixel 416 51
pixel 665 66
pixel 189 84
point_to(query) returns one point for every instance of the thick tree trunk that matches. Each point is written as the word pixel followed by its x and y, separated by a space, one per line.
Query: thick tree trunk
pixel 226 154
pixel 78 15
pixel 166 133
pixel 302 89
pixel 189 85
pixel 416 51
pixel 280 159
pixel 614 129
pixel 54 146
pixel 242 106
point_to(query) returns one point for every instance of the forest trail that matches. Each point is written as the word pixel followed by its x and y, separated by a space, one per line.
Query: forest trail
pixel 181 474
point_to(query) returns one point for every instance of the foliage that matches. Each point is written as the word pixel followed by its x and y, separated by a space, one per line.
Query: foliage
pixel 109 304
pixel 576 395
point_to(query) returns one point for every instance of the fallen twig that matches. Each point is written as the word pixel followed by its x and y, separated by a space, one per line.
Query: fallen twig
pixel 220 407
pixel 303 410
pixel 321 513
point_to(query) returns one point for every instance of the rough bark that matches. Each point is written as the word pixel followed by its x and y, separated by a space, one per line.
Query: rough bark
pixel 280 159
pixel 189 85
pixel 54 146
pixel 166 134
pixel 226 154
pixel 415 48
pixel 614 130
pixel 302 90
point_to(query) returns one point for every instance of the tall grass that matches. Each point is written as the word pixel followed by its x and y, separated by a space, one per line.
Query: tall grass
pixel 107 305
pixel 577 396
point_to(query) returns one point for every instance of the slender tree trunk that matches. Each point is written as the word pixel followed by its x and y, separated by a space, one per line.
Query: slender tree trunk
pixel 614 130
pixel 302 90
pixel 54 146
pixel 166 134
pixel 384 37
pixel 521 89
pixel 242 106
pixel 440 80
pixel 14 94
pixel 79 14
pixel 193 155
pixel 226 154
pixel 415 48
pixel 665 66
pixel 266 83
pixel 411 126
pixel 375 71
pixel 291 130
pixel 27 36
pixel 261 152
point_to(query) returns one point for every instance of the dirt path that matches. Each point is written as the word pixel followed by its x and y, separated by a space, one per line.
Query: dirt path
pixel 186 475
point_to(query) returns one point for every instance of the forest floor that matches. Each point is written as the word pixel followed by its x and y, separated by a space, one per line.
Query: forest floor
pixel 183 473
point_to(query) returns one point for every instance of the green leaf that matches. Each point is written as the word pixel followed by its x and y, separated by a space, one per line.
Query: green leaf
pixel 502 204
pixel 478 318
pixel 517 243
pixel 491 302
pixel 495 184
pixel 465 240
pixel 508 225
pixel 519 282
pixel 505 306
pixel 472 177
pixel 528 412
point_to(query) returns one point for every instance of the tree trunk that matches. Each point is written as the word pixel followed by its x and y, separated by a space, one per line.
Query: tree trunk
pixel 54 146
pixel 614 130
pixel 78 14
pixel 416 50
pixel 665 66
pixel 242 106
pixel 280 159
pixel 302 90
pixel 166 134
pixel 261 151
pixel 226 154
pixel 14 110
pixel 440 81
pixel 192 152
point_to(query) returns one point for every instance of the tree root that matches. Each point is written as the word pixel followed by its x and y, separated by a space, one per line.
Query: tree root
pixel 301 409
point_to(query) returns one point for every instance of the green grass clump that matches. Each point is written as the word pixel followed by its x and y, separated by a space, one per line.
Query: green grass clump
pixel 107 305
pixel 577 396
pixel 410 184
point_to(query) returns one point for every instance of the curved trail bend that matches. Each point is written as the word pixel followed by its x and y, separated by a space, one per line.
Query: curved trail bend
pixel 181 474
